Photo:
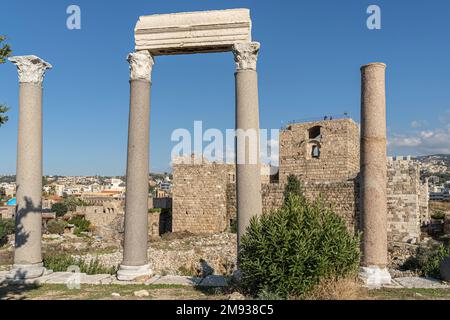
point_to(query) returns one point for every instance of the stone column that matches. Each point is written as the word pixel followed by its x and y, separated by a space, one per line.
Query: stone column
pixel 135 258
pixel 248 167
pixel 374 175
pixel 28 233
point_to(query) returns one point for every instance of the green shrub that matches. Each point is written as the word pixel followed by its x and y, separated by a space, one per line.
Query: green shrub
pixel 289 251
pixel 293 187
pixel 72 202
pixel 56 227
pixel 81 225
pixel 60 209
pixel 428 259
pixel 154 210
pixel 60 262
pixel 438 215
pixel 6 228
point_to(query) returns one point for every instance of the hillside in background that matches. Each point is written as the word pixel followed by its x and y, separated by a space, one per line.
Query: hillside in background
pixel 435 165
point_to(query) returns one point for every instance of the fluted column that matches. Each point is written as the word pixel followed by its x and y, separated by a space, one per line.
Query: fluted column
pixel 374 174
pixel 28 233
pixel 248 167
pixel 135 258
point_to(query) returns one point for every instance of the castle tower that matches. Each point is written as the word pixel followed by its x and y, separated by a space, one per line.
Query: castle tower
pixel 320 151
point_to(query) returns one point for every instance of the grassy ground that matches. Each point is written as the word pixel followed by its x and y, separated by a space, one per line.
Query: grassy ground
pixel 410 294
pixel 97 292
pixel 174 292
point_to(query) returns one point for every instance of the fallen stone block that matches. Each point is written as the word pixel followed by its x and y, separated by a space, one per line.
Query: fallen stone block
pixel 178 280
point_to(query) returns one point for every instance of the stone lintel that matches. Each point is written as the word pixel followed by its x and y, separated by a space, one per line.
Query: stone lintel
pixel 193 32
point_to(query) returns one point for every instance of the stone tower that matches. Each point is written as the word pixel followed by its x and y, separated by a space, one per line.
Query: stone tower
pixel 320 151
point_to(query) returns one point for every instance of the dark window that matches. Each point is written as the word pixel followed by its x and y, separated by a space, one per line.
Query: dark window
pixel 314 133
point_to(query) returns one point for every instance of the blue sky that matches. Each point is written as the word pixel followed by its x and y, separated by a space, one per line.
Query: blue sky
pixel 311 51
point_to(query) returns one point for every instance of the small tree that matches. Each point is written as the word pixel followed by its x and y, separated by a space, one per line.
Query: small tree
pixel 81 225
pixel 72 203
pixel 60 209
pixel 6 229
pixel 55 227
pixel 5 51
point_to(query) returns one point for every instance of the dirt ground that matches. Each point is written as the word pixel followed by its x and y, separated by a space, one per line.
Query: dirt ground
pixel 105 292
pixel 174 292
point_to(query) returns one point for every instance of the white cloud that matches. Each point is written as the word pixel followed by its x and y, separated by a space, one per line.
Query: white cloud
pixel 419 124
pixel 433 141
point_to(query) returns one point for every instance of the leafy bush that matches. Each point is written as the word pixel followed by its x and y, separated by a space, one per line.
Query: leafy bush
pixel 154 210
pixel 56 227
pixel 72 202
pixel 60 262
pixel 60 209
pixel 428 259
pixel 438 215
pixel 6 228
pixel 293 187
pixel 289 251
pixel 81 225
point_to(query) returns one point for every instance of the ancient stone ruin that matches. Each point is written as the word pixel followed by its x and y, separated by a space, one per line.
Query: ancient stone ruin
pixel 384 199
pixel 204 192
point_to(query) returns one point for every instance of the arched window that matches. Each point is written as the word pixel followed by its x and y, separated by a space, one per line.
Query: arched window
pixel 315 151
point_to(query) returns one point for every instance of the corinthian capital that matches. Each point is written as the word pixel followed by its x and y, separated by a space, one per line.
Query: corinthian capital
pixel 31 69
pixel 141 64
pixel 246 55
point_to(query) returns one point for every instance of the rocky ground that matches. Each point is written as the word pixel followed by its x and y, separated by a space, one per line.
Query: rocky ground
pixel 173 254
pixel 187 256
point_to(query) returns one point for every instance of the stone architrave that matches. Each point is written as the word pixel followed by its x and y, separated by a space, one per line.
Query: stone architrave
pixel 27 252
pixel 193 32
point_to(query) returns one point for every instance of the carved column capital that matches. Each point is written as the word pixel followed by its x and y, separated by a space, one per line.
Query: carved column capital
pixel 141 65
pixel 31 69
pixel 246 55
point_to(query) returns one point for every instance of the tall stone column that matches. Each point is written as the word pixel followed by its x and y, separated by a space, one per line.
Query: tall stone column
pixel 374 175
pixel 28 233
pixel 135 258
pixel 248 167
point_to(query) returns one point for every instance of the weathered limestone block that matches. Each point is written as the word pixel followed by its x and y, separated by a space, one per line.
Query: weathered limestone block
pixel 193 32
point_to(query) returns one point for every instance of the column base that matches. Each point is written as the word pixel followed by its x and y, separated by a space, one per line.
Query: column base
pixel 131 273
pixel 26 271
pixel 374 276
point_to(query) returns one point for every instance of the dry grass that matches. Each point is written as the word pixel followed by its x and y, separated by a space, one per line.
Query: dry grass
pixel 338 289
pixel 440 205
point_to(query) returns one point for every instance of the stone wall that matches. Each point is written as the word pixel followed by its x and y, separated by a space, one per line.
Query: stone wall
pixel 404 207
pixel 205 193
pixel 424 203
pixel 159 223
pixel 341 196
pixel 200 197
pixel 107 220
pixel 7 212
pixel 337 157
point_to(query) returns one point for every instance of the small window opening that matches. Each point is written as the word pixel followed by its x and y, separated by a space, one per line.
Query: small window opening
pixel 315 151
pixel 314 133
